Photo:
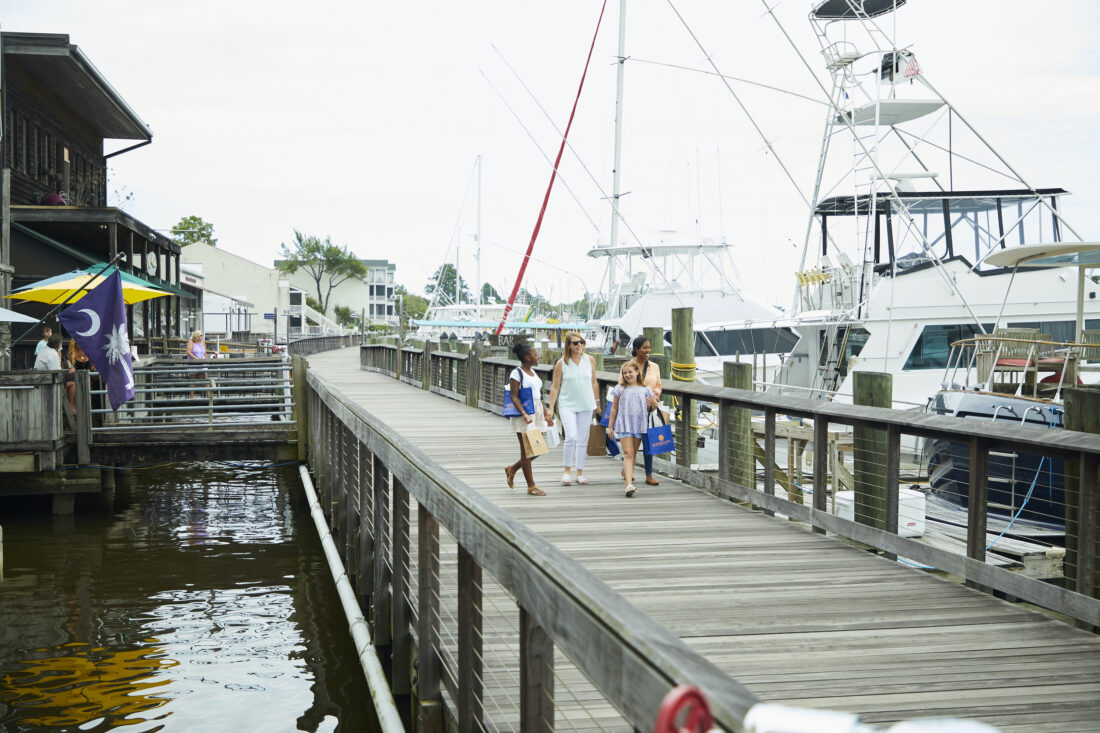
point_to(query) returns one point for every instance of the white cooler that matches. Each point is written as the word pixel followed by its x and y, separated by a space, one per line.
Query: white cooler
pixel 910 510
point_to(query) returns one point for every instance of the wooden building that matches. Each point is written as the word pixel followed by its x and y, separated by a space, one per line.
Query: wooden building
pixel 60 116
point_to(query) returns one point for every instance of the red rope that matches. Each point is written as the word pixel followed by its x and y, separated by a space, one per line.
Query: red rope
pixel 553 175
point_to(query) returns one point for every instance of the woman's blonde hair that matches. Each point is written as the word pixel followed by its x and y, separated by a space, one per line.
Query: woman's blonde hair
pixel 195 336
pixel 633 365
pixel 569 336
pixel 73 346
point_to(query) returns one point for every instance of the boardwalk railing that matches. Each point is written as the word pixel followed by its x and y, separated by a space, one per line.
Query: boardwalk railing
pixel 312 345
pixel 177 399
pixel 31 426
pixel 402 520
pixel 750 470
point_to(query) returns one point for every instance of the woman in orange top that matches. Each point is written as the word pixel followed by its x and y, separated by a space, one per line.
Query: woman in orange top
pixel 651 377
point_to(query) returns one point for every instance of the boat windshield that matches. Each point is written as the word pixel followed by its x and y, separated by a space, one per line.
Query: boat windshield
pixel 730 342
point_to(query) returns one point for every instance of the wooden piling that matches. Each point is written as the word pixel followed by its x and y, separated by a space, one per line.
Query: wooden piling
pixel 737 463
pixel 299 365
pixel 872 389
pixel 683 353
pixel 1082 561
pixel 656 337
pixel 426 366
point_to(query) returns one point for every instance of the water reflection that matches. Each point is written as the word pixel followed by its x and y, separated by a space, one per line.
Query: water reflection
pixel 76 688
pixel 204 604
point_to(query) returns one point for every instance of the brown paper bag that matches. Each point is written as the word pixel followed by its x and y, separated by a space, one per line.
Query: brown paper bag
pixel 534 443
pixel 597 438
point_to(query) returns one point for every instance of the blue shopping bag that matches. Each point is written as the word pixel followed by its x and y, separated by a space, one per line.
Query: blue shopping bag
pixel 606 417
pixel 526 398
pixel 612 446
pixel 658 438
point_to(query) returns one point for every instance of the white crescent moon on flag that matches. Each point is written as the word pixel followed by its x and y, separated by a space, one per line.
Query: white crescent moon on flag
pixel 95 322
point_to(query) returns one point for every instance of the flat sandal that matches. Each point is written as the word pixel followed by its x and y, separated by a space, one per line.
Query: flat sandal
pixel 535 491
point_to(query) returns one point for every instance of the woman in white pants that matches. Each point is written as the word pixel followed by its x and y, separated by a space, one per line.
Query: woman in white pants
pixel 577 396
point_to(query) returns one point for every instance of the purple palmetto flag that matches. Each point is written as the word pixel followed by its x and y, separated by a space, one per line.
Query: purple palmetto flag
pixel 98 324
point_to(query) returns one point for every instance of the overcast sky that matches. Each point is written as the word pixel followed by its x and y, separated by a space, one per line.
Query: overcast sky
pixel 362 121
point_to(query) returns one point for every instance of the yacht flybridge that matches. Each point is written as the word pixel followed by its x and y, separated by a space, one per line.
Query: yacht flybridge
pixel 909 205
pixel 690 275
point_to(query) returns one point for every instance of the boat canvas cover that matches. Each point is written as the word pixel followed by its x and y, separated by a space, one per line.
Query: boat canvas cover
pixel 853 9
pixel 931 202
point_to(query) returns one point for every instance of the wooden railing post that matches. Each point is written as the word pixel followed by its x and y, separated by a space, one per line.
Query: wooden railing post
pixel 401 613
pixel 381 593
pixel 893 468
pixel 430 712
pixel 736 454
pixel 1088 509
pixel 536 676
pixel 351 516
pixel 83 417
pixel 769 455
pixel 470 687
pixel 321 465
pixel 301 405
pixel 364 567
pixel 978 502
pixel 473 376
pixel 342 502
pixel 873 389
pixel 1082 512
pixel 821 467
pixel 426 366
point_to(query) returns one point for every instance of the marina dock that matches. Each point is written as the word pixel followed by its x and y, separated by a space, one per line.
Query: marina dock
pixel 760 608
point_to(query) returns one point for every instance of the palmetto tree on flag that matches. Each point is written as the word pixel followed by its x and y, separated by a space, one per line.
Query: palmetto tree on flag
pixel 98 324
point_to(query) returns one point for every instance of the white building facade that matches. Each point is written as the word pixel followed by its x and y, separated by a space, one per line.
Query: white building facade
pixel 242 300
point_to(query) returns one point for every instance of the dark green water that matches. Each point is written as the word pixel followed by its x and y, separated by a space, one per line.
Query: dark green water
pixel 201 602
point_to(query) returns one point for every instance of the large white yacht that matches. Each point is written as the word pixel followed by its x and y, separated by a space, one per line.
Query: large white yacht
pixel 908 204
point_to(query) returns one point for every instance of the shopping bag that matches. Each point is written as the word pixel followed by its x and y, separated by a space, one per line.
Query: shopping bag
pixel 611 445
pixel 606 414
pixel 526 398
pixel 553 439
pixel 658 438
pixel 596 435
pixel 534 443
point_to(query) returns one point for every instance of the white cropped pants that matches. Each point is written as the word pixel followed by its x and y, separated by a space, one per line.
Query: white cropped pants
pixel 574 448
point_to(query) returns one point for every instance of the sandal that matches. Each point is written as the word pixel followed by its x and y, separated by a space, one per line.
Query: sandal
pixel 510 474
pixel 630 491
pixel 566 479
pixel 535 491
pixel 582 480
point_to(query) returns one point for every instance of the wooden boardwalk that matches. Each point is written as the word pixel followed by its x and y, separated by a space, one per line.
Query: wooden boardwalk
pixel 799 618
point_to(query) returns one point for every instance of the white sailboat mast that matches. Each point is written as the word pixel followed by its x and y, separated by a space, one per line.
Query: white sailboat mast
pixel 477 257
pixel 613 306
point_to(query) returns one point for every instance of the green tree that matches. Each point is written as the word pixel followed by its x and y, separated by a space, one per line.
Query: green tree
pixel 328 264
pixel 314 303
pixel 412 305
pixel 489 295
pixel 441 285
pixel 343 315
pixel 191 229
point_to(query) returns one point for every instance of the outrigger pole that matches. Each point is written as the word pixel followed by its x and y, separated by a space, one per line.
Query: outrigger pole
pixel 553 176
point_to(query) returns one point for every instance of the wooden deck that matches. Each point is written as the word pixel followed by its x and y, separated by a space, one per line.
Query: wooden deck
pixel 799 618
